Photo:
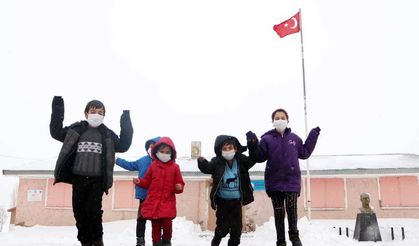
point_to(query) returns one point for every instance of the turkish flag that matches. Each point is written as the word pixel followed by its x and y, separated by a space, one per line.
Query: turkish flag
pixel 290 26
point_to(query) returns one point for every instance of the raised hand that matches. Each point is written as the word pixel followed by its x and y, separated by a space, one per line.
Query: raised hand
pixel 58 104
pixel 136 181
pixel 178 187
pixel 252 139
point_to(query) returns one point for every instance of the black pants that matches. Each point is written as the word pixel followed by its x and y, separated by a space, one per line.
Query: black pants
pixel 281 202
pixel 140 221
pixel 229 220
pixel 87 207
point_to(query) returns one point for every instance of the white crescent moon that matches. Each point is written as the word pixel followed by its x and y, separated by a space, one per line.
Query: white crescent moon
pixel 295 23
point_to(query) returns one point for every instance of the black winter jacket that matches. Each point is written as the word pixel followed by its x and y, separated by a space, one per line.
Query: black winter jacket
pixel 70 135
pixel 216 167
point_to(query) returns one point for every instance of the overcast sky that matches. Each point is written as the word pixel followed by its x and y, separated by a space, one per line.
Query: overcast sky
pixel 194 69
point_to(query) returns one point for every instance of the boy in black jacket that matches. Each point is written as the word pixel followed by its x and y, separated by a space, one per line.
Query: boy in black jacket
pixel 231 187
pixel 86 161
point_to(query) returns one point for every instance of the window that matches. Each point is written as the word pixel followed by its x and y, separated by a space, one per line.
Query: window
pixel 124 195
pixel 402 191
pixel 327 193
pixel 59 195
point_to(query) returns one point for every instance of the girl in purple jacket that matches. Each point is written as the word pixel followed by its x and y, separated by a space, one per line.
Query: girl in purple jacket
pixel 281 149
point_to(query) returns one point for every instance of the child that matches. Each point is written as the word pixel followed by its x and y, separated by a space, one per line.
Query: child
pixel 231 187
pixel 163 180
pixel 281 149
pixel 141 165
pixel 86 161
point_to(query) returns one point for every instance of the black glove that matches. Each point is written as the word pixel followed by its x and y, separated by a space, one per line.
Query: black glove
pixel 58 107
pixel 317 130
pixel 200 160
pixel 57 103
pixel 252 139
pixel 125 116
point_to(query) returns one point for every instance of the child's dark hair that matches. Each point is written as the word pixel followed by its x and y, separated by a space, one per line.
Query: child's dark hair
pixel 279 110
pixel 94 104
pixel 229 141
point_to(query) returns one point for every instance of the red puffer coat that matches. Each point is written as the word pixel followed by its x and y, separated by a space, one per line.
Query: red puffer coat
pixel 160 181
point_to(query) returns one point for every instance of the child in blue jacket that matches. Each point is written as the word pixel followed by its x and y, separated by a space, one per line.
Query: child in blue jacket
pixel 141 165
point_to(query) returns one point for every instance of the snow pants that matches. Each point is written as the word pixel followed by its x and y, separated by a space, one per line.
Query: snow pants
pixel 157 225
pixel 229 220
pixel 87 207
pixel 281 202
pixel 141 222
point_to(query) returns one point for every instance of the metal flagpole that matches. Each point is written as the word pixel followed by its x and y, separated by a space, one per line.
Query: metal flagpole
pixel 305 120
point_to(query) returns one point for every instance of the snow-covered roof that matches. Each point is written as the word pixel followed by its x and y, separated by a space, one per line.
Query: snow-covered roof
pixel 316 162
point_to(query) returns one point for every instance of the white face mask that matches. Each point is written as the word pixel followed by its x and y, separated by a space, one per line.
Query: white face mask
pixel 149 151
pixel 95 120
pixel 280 125
pixel 228 155
pixel 163 157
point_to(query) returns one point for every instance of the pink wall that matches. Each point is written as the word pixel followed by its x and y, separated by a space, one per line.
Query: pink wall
pixel 332 198
pixel 51 210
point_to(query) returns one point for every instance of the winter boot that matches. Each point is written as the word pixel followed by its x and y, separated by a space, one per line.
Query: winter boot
pixel 233 241
pixel 97 243
pixel 86 244
pixel 140 241
pixel 294 238
pixel 157 244
pixel 166 242
pixel 281 243
pixel 216 241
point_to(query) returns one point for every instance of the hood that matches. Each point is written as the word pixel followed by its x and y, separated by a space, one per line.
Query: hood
pixel 151 141
pixel 163 140
pixel 221 139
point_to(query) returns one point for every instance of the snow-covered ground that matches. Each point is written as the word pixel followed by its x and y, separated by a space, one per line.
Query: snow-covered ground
pixel 185 233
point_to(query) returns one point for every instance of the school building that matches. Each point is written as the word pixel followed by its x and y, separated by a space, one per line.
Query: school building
pixel 336 183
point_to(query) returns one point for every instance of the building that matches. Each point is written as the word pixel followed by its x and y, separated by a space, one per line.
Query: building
pixel 336 184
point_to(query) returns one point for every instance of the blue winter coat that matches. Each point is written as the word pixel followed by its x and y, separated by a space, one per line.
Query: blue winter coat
pixel 282 171
pixel 141 165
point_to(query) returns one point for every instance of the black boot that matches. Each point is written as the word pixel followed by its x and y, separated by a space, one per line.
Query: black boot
pixel 140 241
pixel 216 241
pixel 295 238
pixel 97 243
pixel 86 244
pixel 281 243
pixel 166 242
pixel 233 241
pixel 157 244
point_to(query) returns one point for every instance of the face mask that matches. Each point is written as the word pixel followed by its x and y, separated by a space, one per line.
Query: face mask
pixel 149 151
pixel 163 157
pixel 95 120
pixel 280 125
pixel 228 155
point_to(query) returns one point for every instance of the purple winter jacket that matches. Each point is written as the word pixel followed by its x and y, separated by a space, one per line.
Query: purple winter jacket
pixel 282 172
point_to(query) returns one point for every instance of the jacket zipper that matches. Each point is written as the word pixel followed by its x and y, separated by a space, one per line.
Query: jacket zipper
pixel 240 183
pixel 216 188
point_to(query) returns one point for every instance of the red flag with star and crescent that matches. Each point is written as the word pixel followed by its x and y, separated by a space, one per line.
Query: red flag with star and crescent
pixel 290 26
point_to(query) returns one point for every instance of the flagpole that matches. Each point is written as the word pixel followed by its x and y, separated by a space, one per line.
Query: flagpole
pixel 305 119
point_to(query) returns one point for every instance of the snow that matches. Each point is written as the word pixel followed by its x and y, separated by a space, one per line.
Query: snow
pixel 185 233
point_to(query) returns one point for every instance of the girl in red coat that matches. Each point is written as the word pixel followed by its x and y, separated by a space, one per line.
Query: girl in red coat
pixel 163 180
